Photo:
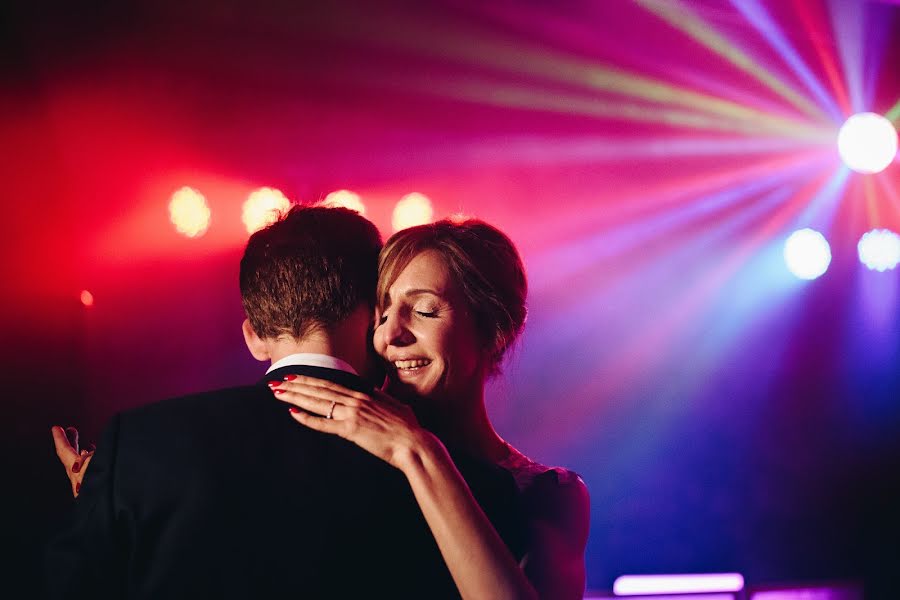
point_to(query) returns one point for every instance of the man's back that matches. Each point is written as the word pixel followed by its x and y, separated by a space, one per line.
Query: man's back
pixel 224 495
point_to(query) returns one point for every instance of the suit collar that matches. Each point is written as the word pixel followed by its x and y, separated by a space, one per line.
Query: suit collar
pixel 312 360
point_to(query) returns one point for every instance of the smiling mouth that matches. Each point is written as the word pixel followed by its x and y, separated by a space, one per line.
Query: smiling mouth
pixel 411 366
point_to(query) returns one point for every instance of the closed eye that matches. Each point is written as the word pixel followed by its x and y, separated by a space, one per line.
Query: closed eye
pixel 428 315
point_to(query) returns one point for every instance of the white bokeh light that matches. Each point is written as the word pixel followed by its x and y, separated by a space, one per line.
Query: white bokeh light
pixel 411 210
pixel 262 207
pixel 867 143
pixel 347 199
pixel 807 254
pixel 879 249
pixel 189 212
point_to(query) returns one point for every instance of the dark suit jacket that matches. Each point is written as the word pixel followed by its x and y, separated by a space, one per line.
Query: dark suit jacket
pixel 224 495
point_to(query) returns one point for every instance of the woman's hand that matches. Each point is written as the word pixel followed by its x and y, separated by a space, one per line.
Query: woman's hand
pixel 379 424
pixel 74 460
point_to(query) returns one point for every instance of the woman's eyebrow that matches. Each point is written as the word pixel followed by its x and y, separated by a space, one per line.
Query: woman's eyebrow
pixel 420 291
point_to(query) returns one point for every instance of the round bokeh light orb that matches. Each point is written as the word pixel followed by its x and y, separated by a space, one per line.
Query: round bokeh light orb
pixel 189 212
pixel 879 249
pixel 346 199
pixel 867 143
pixel 263 207
pixel 807 254
pixel 411 210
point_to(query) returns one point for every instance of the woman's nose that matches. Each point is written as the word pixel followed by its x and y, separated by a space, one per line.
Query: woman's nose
pixel 395 331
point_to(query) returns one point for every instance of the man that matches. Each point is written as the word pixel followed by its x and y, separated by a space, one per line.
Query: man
pixel 223 494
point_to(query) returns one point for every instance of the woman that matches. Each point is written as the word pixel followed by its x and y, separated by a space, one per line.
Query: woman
pixel 451 301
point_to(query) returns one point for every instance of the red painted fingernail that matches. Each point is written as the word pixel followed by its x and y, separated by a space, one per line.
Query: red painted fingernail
pixel 290 377
pixel 294 409
pixel 274 383
pixel 279 391
pixel 77 487
pixel 76 467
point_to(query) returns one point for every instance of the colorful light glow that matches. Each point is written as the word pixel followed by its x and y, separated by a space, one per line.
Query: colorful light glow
pixel 189 212
pixel 533 98
pixel 681 17
pixel 633 585
pixel 810 14
pixel 263 206
pixel 758 15
pixel 879 249
pixel 347 199
pixel 867 143
pixel 807 254
pixel 514 56
pixel 411 210
pixel 893 115
pixel 86 298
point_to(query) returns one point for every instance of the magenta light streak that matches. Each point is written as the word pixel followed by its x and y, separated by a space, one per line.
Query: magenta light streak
pixel 809 593
pixel 668 597
pixel 631 585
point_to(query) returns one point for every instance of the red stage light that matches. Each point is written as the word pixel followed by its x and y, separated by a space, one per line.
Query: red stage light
pixel 263 206
pixel 347 199
pixel 189 212
pixel 412 209
pixel 87 298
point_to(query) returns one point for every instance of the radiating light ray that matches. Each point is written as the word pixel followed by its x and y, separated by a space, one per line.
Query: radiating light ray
pixel 682 18
pixel 892 196
pixel 893 115
pixel 512 55
pixel 658 197
pixel 545 151
pixel 873 215
pixel 566 261
pixel 877 27
pixel 821 207
pixel 573 318
pixel 757 15
pixel 616 367
pixel 651 341
pixel 847 24
pixel 530 98
pixel 816 25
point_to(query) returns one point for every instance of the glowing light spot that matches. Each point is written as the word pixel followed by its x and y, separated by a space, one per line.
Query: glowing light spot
pixel 411 210
pixel 87 298
pixel 879 249
pixel 263 207
pixel 347 199
pixel 867 143
pixel 189 212
pixel 632 585
pixel 807 254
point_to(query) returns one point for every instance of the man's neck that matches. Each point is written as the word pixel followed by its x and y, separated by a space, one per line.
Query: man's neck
pixel 347 341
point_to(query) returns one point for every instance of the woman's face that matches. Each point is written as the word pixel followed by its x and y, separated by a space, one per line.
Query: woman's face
pixel 426 333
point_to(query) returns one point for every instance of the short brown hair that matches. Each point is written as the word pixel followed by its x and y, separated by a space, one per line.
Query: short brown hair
pixel 485 265
pixel 311 268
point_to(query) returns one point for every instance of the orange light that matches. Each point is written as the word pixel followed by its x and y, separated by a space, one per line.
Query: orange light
pixel 412 209
pixel 263 207
pixel 347 199
pixel 189 212
pixel 87 298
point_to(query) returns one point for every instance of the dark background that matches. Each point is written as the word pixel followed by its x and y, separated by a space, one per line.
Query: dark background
pixel 725 416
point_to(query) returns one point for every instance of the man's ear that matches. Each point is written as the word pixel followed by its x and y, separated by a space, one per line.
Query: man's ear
pixel 255 344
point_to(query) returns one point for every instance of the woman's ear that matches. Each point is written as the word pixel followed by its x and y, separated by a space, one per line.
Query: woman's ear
pixel 255 344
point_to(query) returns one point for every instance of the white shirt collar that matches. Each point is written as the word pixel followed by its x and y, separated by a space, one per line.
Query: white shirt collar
pixel 311 359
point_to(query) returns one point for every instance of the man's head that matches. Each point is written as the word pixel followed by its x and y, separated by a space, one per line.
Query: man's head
pixel 309 271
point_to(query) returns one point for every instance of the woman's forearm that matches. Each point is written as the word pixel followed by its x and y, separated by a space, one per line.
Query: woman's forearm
pixel 479 561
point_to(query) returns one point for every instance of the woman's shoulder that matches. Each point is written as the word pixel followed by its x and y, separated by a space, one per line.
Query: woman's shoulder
pixel 554 497
pixel 533 477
